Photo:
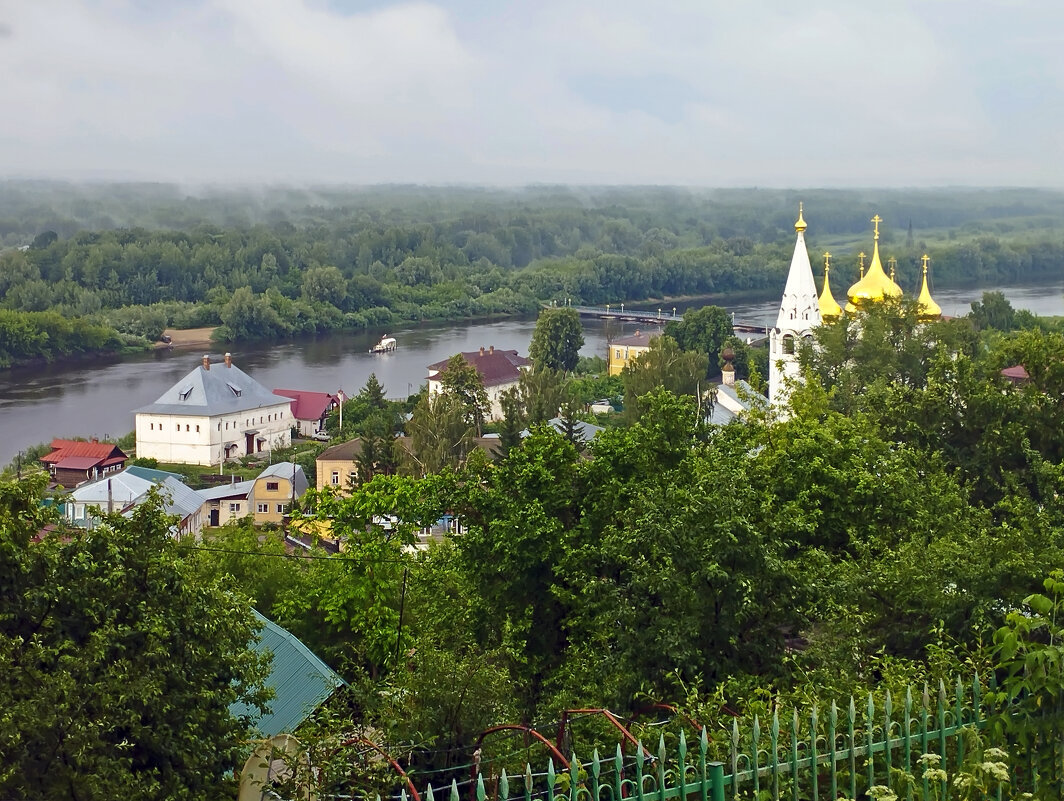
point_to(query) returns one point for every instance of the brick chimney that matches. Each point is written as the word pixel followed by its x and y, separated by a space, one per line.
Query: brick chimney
pixel 481 350
pixel 228 360
pixel 206 361
pixel 491 349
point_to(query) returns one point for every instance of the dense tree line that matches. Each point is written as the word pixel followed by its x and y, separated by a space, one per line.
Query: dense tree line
pixel 290 262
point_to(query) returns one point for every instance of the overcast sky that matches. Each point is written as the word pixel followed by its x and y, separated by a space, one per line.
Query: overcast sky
pixel 706 93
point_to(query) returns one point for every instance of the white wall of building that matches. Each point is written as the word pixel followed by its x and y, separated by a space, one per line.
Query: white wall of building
pixel 193 439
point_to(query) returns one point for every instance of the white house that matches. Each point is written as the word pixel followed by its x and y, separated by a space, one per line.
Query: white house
pixel 499 370
pixel 213 412
pixel 122 492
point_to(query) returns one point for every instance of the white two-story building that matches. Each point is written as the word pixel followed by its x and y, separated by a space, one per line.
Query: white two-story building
pixel 216 411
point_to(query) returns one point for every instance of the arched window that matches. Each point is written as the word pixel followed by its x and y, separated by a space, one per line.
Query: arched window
pixel 788 344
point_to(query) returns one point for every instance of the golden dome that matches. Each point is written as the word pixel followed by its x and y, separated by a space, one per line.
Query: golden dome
pixel 875 285
pixel 927 309
pixel 800 225
pixel 829 309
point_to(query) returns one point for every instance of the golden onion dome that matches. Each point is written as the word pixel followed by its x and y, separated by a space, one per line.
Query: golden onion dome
pixel 875 285
pixel 926 307
pixel 829 309
pixel 800 225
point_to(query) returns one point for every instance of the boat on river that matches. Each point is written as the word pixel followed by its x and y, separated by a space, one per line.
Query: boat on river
pixel 386 345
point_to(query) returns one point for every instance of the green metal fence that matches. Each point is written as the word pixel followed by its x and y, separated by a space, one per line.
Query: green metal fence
pixel 819 754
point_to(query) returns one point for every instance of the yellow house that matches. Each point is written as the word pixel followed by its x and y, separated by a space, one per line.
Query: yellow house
pixel 621 351
pixel 274 491
pixel 336 466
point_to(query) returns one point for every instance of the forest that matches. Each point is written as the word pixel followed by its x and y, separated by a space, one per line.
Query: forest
pixel 123 262
pixel 903 523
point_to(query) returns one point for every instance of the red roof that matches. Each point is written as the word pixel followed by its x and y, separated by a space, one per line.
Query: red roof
pixel 307 405
pixel 495 366
pixel 1016 373
pixel 85 454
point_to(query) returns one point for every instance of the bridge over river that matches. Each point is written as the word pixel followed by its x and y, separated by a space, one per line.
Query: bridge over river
pixel 658 317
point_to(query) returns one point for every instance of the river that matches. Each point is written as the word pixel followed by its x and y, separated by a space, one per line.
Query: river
pixel 97 398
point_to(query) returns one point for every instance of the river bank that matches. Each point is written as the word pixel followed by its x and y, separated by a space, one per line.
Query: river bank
pixel 97 397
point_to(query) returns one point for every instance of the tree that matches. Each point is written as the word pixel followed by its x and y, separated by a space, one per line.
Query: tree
pixel 513 419
pixel 705 330
pixel 663 365
pixel 557 340
pixel 325 285
pixel 373 393
pixel 122 661
pixel 542 394
pixel 440 433
pixel 462 381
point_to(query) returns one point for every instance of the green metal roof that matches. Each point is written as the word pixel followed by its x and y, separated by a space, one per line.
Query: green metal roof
pixel 301 682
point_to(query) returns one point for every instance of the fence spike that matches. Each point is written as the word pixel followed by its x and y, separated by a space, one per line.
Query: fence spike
pixel 755 739
pixel 574 775
pixel 813 772
pixel 402 794
pixel 833 720
pixel 735 757
pixel 618 761
pixel 454 791
pixel 551 776
pixel 794 755
pixel 640 755
pixel 481 792
pixel 428 794
pixel 703 742
pixel 682 747
pixel 596 768
pixel 661 748
pixel 774 734
pixel 504 785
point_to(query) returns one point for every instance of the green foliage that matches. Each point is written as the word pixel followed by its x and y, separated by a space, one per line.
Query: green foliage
pixel 556 340
pixel 705 330
pixel 461 381
pixel 122 662
pixel 663 365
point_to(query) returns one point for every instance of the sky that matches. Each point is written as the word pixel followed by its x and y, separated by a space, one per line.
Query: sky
pixel 509 92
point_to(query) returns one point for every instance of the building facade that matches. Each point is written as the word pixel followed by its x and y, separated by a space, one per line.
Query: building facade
pixel 215 412
pixel 499 370
pixel 621 352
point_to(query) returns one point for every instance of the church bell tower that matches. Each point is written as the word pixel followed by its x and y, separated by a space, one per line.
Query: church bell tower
pixel 799 315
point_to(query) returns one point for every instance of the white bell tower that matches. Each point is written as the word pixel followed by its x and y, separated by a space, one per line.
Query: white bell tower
pixel 799 315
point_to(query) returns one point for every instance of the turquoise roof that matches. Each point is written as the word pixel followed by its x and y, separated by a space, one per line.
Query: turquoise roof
pixel 301 682
pixel 151 474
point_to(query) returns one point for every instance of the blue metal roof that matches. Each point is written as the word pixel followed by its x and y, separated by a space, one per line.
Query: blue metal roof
pixel 301 682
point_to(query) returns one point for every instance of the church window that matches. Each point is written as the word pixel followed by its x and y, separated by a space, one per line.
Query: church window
pixel 788 344
pixel 188 427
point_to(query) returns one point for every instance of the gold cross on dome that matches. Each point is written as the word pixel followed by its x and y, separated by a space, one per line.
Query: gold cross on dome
pixel 876 221
pixel 827 260
pixel 925 260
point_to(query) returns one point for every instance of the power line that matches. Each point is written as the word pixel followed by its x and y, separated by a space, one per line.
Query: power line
pixel 330 557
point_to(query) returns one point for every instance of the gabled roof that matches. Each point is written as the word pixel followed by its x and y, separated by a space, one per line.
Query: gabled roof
pixel 219 389
pixel 495 366
pixel 640 339
pixel 152 474
pixel 307 405
pixel 301 682
pixel 288 471
pixel 740 398
pixel 178 499
pixel 120 489
pixel 344 452
pixel 76 455
pixel 587 431
pixel 240 489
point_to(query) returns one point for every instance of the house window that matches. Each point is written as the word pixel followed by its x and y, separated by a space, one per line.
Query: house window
pixel 188 427
pixel 263 508
pixel 271 486
pixel 197 429
pixel 226 425
pixel 336 478
pixel 152 426
pixel 280 508
pixel 234 507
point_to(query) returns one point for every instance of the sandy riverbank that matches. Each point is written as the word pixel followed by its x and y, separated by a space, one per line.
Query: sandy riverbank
pixel 187 338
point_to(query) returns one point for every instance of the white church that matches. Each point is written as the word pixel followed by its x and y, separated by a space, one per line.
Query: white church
pixel 802 310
